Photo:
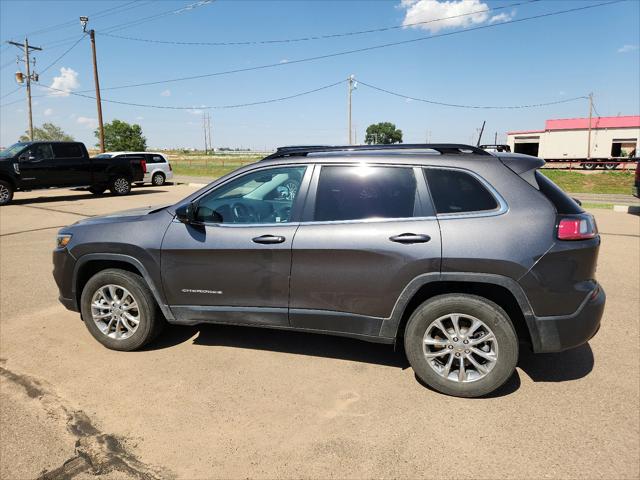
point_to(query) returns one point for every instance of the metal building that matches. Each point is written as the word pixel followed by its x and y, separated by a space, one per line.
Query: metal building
pixel 568 139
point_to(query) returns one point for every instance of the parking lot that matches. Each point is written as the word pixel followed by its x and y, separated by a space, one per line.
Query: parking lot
pixel 234 402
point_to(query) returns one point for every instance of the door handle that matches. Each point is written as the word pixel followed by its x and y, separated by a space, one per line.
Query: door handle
pixel 269 239
pixel 410 238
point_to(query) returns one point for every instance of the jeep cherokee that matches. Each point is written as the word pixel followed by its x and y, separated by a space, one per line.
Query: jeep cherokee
pixel 458 254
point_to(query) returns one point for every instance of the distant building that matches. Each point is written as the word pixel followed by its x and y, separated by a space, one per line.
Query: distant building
pixel 567 139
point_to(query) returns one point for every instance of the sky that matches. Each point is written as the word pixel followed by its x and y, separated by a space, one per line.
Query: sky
pixel 476 58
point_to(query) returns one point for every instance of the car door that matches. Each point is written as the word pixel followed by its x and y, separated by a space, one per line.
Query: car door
pixel 37 167
pixel 72 166
pixel 367 231
pixel 234 266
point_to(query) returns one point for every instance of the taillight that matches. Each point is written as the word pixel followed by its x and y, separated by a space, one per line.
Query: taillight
pixel 576 227
pixel 144 166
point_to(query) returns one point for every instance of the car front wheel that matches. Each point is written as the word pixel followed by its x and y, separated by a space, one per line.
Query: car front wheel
pixel 461 345
pixel 6 192
pixel 119 310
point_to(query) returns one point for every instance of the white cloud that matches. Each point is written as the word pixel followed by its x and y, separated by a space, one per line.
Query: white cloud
pixel 627 48
pixel 66 82
pixel 284 60
pixel 139 117
pixel 196 111
pixel 166 93
pixel 502 17
pixel 456 13
pixel 48 111
pixel 87 122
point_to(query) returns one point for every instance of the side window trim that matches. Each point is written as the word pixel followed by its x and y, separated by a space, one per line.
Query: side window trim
pixel 499 210
pixel 423 208
pixel 298 203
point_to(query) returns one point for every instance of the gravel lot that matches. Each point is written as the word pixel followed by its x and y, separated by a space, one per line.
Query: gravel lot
pixel 234 402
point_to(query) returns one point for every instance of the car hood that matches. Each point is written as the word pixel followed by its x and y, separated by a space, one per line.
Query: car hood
pixel 123 216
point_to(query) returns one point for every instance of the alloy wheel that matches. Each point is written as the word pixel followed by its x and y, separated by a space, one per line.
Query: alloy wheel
pixel 115 311
pixel 4 194
pixel 460 348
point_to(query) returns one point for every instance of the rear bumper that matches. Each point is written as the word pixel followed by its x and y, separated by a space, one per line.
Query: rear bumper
pixel 555 334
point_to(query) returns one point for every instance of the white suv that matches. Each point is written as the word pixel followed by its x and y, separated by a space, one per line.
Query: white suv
pixel 158 167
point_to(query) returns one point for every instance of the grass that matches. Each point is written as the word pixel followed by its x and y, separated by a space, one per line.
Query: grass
pixel 196 164
pixel 588 205
pixel 604 182
pixel 212 166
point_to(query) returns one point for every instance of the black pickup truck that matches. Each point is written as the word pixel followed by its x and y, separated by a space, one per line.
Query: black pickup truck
pixel 36 165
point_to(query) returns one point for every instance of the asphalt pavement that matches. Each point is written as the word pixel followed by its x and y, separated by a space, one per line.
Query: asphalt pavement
pixel 237 402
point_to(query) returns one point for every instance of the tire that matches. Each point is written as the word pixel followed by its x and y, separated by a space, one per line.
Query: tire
pixel 589 166
pixel 120 185
pixel 158 179
pixel 611 166
pixel 6 192
pixel 150 321
pixel 97 189
pixel 503 348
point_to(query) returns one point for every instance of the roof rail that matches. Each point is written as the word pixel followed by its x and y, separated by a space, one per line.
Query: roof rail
pixel 442 148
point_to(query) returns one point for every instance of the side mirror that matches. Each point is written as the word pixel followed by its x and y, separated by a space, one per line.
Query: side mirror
pixel 186 213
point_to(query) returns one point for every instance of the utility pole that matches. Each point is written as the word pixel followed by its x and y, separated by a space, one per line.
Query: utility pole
pixel 352 86
pixel 495 139
pixel 589 135
pixel 204 127
pixel 96 80
pixel 20 78
pixel 210 135
pixel 481 132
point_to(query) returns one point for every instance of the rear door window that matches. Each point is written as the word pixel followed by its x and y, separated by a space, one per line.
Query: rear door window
pixel 67 150
pixel 362 192
pixel 455 191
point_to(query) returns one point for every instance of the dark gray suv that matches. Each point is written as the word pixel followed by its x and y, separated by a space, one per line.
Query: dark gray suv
pixel 458 254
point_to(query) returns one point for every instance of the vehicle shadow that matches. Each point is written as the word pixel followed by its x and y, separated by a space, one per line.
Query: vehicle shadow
pixel 299 343
pixel 557 367
pixel 78 195
pixel 549 367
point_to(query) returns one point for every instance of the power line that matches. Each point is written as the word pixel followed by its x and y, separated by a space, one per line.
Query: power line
pixel 203 107
pixel 11 92
pixel 317 37
pixel 364 49
pixel 61 56
pixel 457 105
pixel 138 21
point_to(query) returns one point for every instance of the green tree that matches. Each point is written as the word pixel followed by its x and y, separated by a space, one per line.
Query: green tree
pixel 119 136
pixel 48 131
pixel 383 133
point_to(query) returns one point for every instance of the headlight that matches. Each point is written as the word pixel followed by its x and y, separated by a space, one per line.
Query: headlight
pixel 63 239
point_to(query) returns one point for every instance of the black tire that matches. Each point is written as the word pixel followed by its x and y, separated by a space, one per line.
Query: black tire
pixel 97 189
pixel 589 166
pixel 158 179
pixel 6 192
pixel 611 166
pixel 120 185
pixel 151 321
pixel 484 310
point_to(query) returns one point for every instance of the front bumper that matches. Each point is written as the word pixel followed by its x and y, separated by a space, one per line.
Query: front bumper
pixel 63 267
pixel 555 334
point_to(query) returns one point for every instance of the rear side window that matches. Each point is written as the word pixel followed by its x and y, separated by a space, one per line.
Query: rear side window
pixel 563 203
pixel 454 191
pixel 360 192
pixel 67 150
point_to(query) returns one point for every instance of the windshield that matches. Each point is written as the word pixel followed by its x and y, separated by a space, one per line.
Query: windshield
pixel 104 155
pixel 12 150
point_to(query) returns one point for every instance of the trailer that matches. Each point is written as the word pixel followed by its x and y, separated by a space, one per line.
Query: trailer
pixel 607 142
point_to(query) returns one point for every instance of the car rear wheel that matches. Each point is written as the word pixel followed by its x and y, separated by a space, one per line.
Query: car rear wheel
pixel 461 345
pixel 158 179
pixel 120 186
pixel 119 310
pixel 6 192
